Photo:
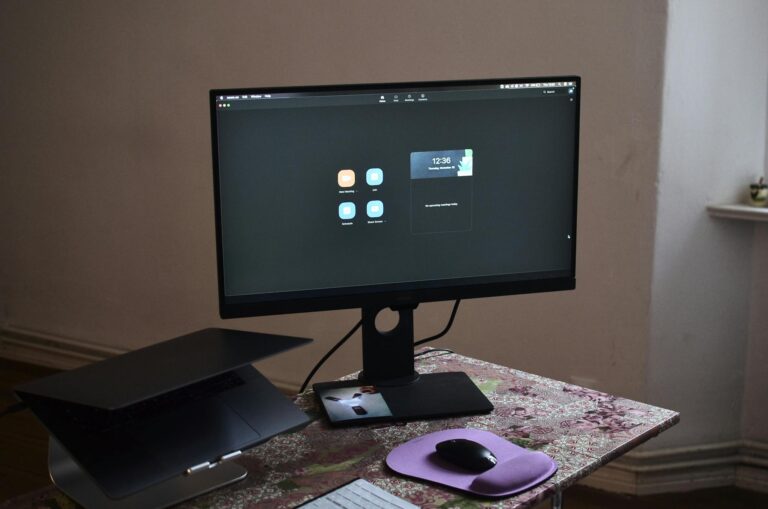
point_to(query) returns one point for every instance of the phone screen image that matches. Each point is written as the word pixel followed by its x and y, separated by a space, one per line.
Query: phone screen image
pixel 353 403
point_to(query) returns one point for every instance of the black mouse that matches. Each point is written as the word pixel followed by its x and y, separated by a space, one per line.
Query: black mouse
pixel 466 454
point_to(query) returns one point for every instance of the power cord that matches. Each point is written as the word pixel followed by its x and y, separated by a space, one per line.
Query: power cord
pixel 442 351
pixel 330 352
pixel 12 409
pixel 444 331
pixel 360 323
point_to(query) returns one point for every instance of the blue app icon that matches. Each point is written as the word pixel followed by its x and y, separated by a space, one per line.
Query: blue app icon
pixel 374 177
pixel 347 210
pixel 375 208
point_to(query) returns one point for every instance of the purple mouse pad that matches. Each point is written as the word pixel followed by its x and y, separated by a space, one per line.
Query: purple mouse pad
pixel 517 470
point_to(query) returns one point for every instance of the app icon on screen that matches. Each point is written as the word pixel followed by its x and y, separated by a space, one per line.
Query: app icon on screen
pixel 375 208
pixel 374 177
pixel 346 178
pixel 347 210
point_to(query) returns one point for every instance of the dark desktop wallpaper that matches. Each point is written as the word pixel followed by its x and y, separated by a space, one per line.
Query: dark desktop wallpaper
pixel 370 194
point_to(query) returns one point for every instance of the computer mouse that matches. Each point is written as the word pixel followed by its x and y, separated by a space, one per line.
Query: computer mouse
pixel 466 454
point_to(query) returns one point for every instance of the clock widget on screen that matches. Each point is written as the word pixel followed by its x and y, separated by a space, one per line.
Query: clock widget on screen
pixel 441 190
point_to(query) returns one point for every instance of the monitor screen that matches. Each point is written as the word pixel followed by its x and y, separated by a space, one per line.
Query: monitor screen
pixel 393 194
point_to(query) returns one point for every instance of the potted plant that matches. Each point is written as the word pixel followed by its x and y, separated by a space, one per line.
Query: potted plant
pixel 758 193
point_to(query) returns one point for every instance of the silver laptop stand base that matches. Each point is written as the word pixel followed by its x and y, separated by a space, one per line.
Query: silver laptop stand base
pixel 75 483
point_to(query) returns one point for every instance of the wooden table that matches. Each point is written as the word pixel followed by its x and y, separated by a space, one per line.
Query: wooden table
pixel 582 429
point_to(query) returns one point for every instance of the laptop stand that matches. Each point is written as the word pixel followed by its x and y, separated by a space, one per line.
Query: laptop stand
pixel 103 454
pixel 75 483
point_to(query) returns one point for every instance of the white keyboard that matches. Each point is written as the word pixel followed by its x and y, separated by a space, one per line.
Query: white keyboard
pixel 359 494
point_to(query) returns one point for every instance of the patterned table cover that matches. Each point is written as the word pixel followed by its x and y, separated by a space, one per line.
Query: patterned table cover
pixel 582 429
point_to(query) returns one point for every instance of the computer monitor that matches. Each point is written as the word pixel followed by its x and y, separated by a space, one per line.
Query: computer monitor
pixel 389 195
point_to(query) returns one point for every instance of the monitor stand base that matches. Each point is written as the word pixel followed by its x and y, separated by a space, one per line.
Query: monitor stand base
pixel 388 369
pixel 75 483
pixel 435 395
pixel 431 395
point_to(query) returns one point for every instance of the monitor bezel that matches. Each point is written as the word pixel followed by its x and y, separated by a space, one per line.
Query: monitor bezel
pixel 392 295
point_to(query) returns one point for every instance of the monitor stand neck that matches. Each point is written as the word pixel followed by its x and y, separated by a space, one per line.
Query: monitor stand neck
pixel 388 365
pixel 388 356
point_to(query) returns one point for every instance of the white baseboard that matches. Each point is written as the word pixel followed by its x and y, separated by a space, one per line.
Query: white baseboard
pixel 739 463
pixel 752 473
pixel 57 352
pixel 51 351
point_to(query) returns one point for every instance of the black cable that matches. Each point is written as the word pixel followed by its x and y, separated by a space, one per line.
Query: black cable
pixel 357 326
pixel 330 352
pixel 443 351
pixel 444 331
pixel 12 409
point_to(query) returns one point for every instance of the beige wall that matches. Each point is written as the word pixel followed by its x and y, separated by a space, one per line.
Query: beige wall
pixel 713 145
pixel 106 215
pixel 755 416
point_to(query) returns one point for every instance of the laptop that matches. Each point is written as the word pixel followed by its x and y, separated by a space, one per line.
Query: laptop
pixel 147 416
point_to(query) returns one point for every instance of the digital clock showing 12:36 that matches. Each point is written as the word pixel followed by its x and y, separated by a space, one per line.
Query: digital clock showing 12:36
pixel 441 160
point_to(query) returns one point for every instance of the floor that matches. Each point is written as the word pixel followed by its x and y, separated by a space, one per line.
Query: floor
pixel 23 440
pixel 581 497
pixel 24 444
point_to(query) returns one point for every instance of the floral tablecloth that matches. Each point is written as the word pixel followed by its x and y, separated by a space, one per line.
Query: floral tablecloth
pixel 582 429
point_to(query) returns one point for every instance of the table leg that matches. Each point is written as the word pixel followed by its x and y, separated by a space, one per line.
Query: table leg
pixel 557 500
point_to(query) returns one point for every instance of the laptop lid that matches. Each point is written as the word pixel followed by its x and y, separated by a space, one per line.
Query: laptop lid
pixel 142 374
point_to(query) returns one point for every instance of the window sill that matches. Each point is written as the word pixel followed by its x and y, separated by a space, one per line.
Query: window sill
pixel 743 212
